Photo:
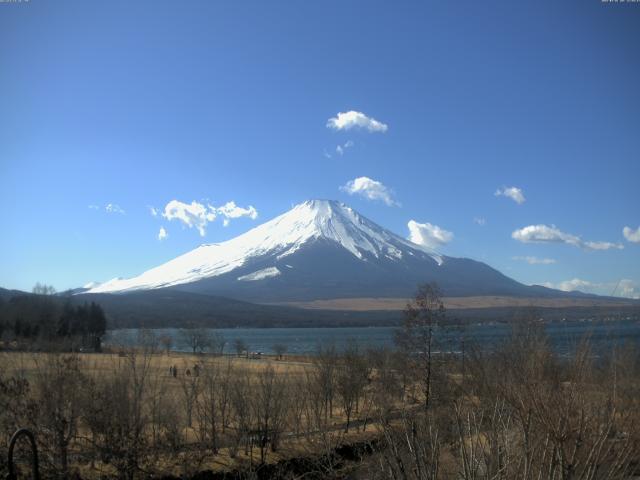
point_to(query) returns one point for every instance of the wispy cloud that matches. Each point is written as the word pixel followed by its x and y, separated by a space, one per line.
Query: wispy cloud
pixel 536 260
pixel 153 211
pixel 109 208
pixel 340 149
pixel 480 221
pixel 551 234
pixel 428 235
pixel 198 215
pixel 358 120
pixel 113 208
pixel 162 234
pixel 370 189
pixel 514 193
pixel 631 235
pixel 602 246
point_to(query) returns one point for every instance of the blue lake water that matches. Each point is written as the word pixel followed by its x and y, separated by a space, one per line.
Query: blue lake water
pixel 563 336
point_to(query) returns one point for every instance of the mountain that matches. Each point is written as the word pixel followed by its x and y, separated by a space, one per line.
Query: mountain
pixel 320 249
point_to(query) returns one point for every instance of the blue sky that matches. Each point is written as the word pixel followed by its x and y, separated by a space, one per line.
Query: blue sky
pixel 137 104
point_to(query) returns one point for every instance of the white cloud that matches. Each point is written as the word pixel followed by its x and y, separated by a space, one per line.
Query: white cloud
pixel 514 193
pixel 629 289
pixel 428 235
pixel 353 119
pixel 631 235
pixel 602 245
pixel 536 260
pixel 577 284
pixel 113 208
pixel 551 234
pixel 624 288
pixel 340 149
pixel 370 189
pixel 197 215
pixel 480 221
pixel 194 215
pixel 154 211
pixel 109 208
pixel 230 210
pixel 544 234
pixel 162 234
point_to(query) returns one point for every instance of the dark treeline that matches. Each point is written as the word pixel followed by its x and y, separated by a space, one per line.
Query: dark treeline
pixel 43 318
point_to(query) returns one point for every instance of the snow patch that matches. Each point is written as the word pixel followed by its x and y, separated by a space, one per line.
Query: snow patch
pixel 260 274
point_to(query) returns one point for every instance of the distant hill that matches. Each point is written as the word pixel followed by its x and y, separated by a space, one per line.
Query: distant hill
pixel 175 308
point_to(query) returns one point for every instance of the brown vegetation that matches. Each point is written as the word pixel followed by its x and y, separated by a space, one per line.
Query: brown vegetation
pixel 521 411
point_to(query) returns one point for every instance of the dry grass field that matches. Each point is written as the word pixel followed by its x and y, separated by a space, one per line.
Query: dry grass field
pixel 521 411
pixel 201 384
pixel 396 304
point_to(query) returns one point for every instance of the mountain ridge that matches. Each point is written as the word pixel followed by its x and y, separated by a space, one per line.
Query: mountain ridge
pixel 319 250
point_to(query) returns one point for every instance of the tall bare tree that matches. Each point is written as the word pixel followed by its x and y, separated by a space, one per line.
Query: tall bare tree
pixel 422 316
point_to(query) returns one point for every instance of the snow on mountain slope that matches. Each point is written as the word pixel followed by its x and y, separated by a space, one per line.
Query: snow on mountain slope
pixel 284 235
pixel 260 274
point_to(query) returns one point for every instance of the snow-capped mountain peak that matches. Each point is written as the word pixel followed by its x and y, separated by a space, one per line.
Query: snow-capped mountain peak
pixel 313 220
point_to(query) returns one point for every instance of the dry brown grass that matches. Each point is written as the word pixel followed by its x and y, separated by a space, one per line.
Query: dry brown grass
pixel 101 366
pixel 397 304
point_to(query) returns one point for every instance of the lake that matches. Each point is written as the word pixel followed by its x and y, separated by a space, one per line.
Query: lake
pixel 563 336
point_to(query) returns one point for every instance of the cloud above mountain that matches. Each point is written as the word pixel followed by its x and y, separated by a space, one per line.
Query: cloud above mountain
pixel 356 120
pixel 428 235
pixel 193 215
pixel 230 210
pixel 198 215
pixel 625 287
pixel 514 193
pixel 551 234
pixel 370 189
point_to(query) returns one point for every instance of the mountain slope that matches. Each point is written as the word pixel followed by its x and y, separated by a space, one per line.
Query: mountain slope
pixel 320 249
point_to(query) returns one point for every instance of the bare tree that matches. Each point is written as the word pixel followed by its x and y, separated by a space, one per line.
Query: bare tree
pixel 325 362
pixel 189 389
pixel 280 349
pixel 217 343
pixel 269 407
pixel 167 342
pixel 240 400
pixel 58 385
pixel 416 337
pixel 351 379
pixel 197 339
pixel 240 346
pixel 209 417
pixel 116 414
pixel 42 289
